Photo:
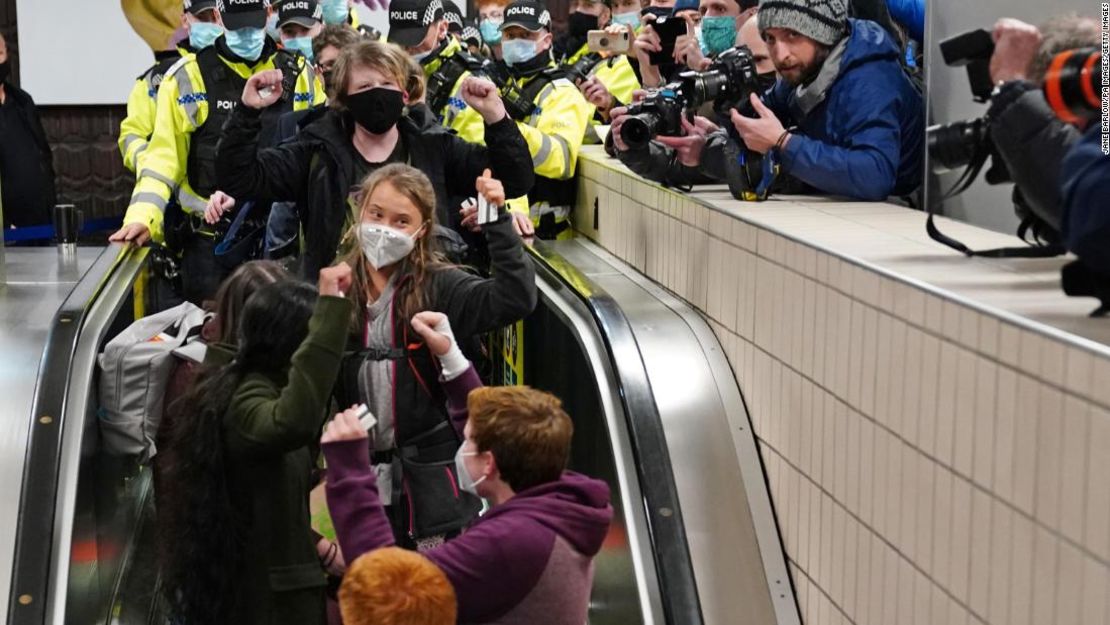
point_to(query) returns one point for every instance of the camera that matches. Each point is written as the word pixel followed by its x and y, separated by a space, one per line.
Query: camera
pixel 660 113
pixel 580 69
pixel 1073 84
pixel 972 50
pixel 729 80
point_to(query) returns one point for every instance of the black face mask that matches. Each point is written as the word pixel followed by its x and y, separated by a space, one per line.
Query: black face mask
pixel 329 76
pixel 657 11
pixel 5 69
pixel 578 24
pixel 377 110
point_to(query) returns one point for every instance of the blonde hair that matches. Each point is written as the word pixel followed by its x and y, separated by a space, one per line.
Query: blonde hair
pixel 425 256
pixel 392 586
pixel 386 58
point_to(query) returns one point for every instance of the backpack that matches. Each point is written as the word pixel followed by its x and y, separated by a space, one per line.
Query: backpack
pixel 135 369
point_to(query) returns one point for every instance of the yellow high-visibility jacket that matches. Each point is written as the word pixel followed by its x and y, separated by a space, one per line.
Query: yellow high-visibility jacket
pixel 555 129
pixel 457 114
pixel 182 109
pixel 136 128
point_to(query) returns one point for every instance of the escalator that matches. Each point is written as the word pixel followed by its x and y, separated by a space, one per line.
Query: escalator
pixel 657 415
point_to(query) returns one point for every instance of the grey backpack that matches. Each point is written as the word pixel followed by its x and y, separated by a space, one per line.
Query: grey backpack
pixel 135 369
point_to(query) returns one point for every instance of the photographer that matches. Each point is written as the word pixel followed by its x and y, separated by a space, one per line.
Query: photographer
pixel 844 117
pixel 1030 139
pixel 698 156
pixel 706 36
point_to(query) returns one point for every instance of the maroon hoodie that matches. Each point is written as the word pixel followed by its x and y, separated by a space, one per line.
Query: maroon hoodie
pixel 528 560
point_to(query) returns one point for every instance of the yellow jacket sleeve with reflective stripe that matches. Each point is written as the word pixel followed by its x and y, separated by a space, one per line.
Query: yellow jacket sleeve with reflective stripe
pixel 135 129
pixel 554 133
pixel 182 108
pixel 462 118
pixel 619 78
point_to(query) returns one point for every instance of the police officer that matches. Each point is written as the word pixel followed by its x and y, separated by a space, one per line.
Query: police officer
pixel 336 12
pixel 606 79
pixel 298 24
pixel 193 102
pixel 419 26
pixel 551 113
pixel 202 25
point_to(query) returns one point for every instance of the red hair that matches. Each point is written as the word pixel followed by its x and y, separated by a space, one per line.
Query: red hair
pixel 392 586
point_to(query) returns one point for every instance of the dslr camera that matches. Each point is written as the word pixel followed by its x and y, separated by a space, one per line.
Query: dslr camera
pixel 729 80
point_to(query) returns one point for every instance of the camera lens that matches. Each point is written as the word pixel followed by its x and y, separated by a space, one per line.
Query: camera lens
pixel 952 146
pixel 1073 84
pixel 638 130
pixel 604 42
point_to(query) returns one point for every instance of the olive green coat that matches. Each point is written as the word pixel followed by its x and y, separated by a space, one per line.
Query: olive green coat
pixel 271 431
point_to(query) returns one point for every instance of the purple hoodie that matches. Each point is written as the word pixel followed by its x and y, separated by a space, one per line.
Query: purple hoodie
pixel 529 560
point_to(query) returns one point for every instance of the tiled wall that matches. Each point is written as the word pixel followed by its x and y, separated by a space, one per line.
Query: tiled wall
pixel 929 463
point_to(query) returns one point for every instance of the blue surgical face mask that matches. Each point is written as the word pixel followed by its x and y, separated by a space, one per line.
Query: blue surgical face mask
pixel 272 28
pixel 718 33
pixel 516 51
pixel 247 43
pixel 335 11
pixel 632 18
pixel 491 31
pixel 203 34
pixel 300 44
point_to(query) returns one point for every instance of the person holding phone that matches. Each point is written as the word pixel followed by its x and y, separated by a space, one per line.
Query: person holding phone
pixel 691 43
pixel 601 71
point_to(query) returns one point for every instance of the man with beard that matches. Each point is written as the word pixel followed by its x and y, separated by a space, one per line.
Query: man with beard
pixel 843 118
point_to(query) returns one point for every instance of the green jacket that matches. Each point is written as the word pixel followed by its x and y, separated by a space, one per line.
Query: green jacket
pixel 271 431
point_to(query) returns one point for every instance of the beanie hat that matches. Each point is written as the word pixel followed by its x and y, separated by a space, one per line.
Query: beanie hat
pixel 684 5
pixel 824 21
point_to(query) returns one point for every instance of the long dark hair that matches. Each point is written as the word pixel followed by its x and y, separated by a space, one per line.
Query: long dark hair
pixel 202 541
pixel 237 289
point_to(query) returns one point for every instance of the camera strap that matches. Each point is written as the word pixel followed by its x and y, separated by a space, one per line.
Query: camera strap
pixel 966 179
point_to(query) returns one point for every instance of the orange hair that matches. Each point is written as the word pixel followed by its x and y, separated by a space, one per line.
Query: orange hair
pixel 392 586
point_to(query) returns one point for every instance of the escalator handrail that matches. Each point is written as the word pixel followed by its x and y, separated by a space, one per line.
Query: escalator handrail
pixel 666 530
pixel 35 518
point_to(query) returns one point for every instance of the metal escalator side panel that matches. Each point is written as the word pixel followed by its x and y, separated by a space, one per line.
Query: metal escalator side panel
pixel 34 567
pixel 662 512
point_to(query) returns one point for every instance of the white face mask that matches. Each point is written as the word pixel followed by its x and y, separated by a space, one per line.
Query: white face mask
pixel 466 482
pixel 384 246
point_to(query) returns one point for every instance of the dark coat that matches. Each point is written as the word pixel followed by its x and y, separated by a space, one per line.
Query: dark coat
pixel 271 431
pixel 317 170
pixel 41 214
pixel 1032 141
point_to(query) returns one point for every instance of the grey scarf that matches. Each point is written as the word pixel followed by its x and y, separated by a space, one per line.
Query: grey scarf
pixel 808 96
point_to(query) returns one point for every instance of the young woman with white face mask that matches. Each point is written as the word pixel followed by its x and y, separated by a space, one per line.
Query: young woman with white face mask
pixel 397 273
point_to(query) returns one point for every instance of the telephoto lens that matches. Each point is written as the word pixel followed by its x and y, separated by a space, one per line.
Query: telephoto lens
pixel 1073 84
pixel 953 146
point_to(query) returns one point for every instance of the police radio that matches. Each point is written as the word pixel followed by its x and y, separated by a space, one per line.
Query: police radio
pixel 287 63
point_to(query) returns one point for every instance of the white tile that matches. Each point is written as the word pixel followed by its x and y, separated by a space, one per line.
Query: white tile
pixel 941 564
pixel 1052 360
pixel 920 374
pixel 950 313
pixel 946 403
pixel 809 325
pixel 852 475
pixel 986 384
pixel 1079 366
pixel 1021 571
pixel 867 470
pixel 960 539
pixel 851 565
pixel 1002 520
pixel 923 600
pixel 843 348
pixel 870 364
pixel 965 416
pixel 1006 423
pixel 927 515
pixel 988 335
pixel 898 380
pixel 1069 587
pixel 1009 338
pixel 1096 592
pixel 1100 389
pixel 855 354
pixel 1046 555
pixel 969 328
pixel 1097 526
pixel 1048 445
pixel 1025 443
pixel 881 410
pixel 906 605
pixel 1075 427
pixel 1032 349
pixel 979 555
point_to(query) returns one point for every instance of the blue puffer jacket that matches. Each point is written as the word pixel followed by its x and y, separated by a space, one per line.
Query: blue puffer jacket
pixel 865 139
pixel 1086 222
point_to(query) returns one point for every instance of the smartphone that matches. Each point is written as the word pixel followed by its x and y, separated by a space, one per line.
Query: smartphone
pixel 366 418
pixel 668 29
pixel 604 41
